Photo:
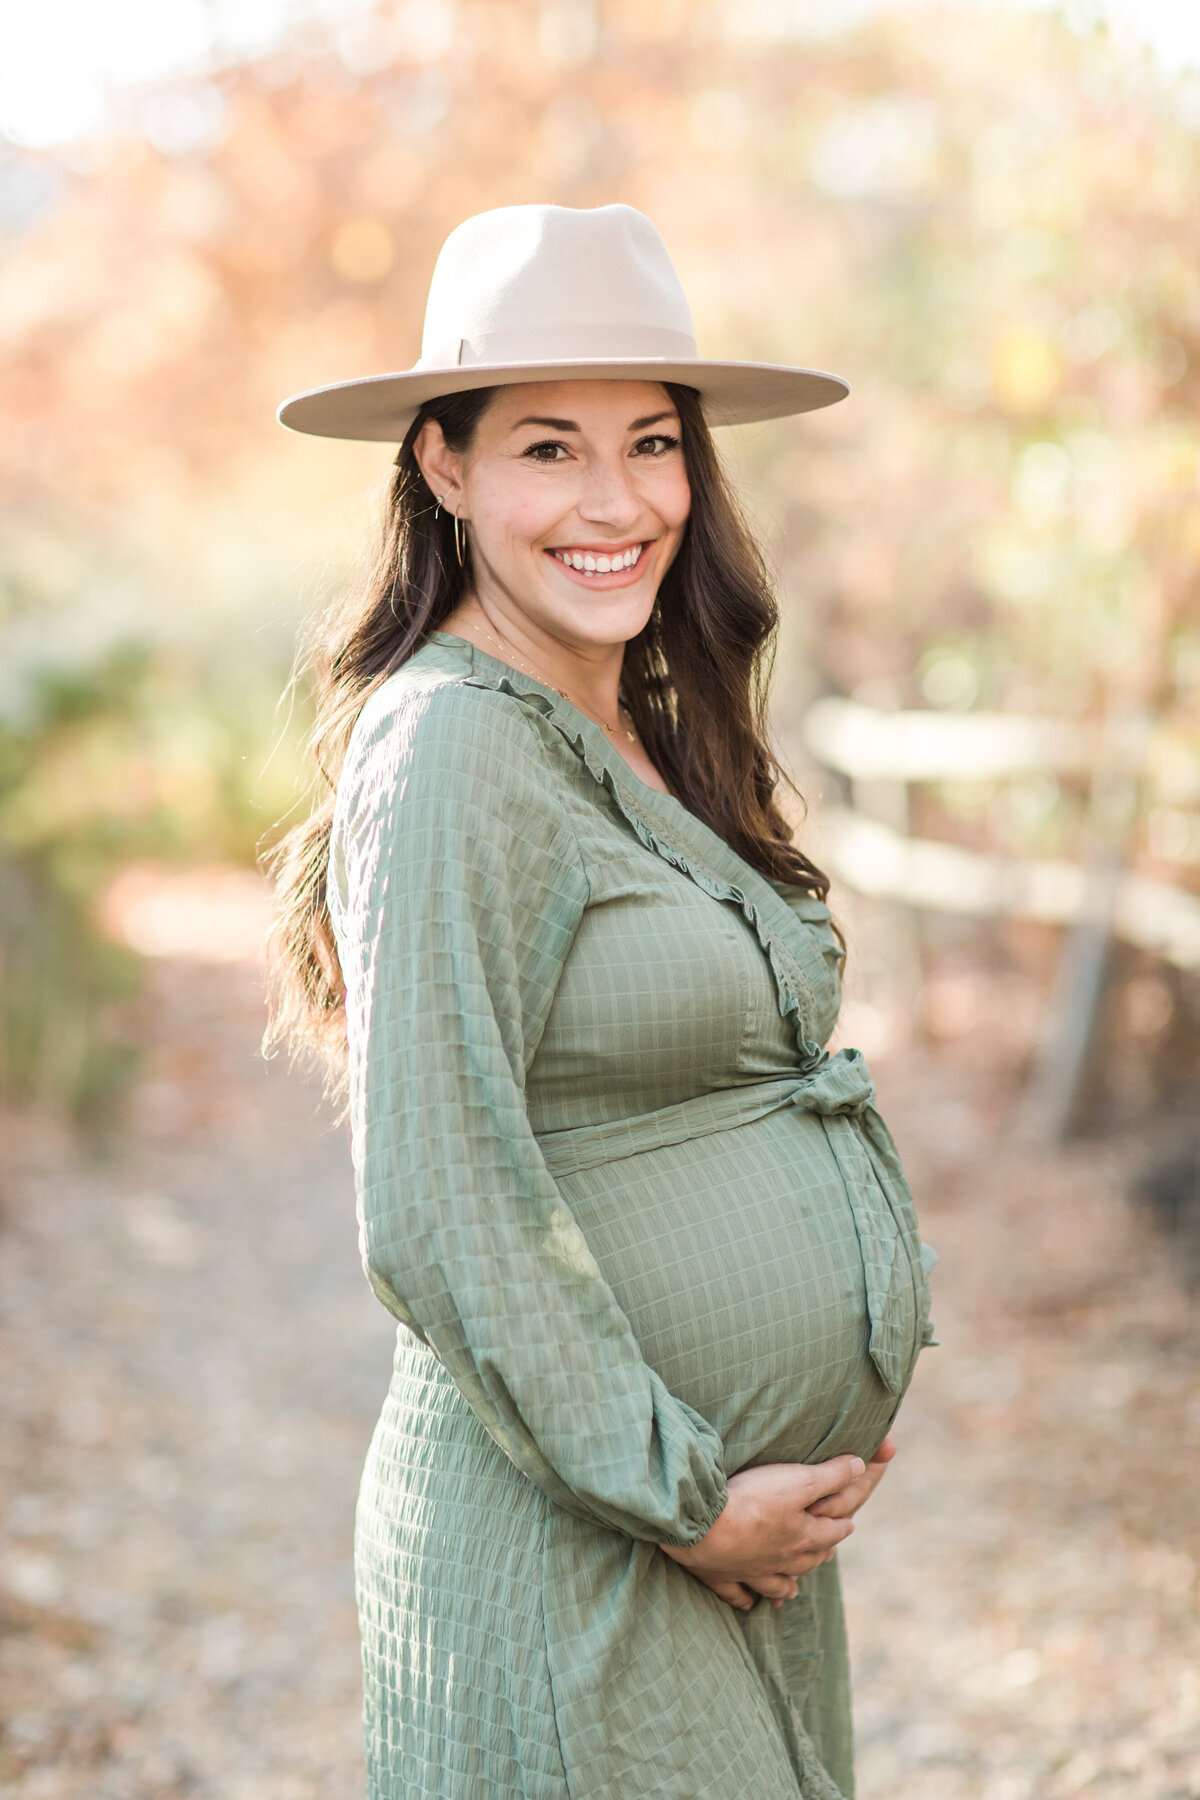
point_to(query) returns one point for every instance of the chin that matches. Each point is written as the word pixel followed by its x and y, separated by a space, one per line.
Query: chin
pixel 606 633
pixel 599 619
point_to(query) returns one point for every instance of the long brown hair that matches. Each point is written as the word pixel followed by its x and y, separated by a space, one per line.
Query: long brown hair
pixel 695 680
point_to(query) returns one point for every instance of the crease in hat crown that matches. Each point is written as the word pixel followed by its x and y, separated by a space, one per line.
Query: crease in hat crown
pixel 537 282
pixel 541 293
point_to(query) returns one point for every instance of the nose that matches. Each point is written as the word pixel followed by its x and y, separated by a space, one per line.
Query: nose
pixel 609 496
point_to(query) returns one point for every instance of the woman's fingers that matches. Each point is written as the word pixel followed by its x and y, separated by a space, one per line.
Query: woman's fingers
pixel 779 1587
pixel 844 1504
pixel 820 1479
pixel 733 1593
pixel 742 1595
pixel 828 1530
pixel 808 1560
pixel 767 1526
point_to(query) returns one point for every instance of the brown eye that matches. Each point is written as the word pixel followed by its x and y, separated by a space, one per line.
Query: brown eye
pixel 536 452
pixel 660 437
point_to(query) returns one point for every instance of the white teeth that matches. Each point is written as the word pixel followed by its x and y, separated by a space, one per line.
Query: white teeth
pixel 600 564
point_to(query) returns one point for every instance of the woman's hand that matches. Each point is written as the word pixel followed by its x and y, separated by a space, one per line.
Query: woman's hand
pixel 770 1533
pixel 846 1502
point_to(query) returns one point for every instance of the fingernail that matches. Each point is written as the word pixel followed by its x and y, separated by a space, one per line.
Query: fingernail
pixel 859 1466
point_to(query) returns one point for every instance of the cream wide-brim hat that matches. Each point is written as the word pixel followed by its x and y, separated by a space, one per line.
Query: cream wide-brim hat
pixel 556 293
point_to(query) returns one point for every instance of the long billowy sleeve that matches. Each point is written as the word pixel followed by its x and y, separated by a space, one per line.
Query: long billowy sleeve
pixel 457 887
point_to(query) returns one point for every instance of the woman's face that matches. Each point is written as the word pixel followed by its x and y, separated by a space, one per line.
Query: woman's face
pixel 576 495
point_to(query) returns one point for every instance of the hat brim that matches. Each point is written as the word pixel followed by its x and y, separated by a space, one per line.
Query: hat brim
pixel 380 408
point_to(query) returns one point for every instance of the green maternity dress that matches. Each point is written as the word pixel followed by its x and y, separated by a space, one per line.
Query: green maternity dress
pixel 639 1230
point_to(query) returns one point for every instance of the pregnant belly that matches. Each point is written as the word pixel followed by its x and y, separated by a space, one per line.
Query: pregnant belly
pixel 736 1259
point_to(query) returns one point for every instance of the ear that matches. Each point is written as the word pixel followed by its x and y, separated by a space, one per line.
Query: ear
pixel 441 466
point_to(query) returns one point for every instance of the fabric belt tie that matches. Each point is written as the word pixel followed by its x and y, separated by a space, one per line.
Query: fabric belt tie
pixel 840 1091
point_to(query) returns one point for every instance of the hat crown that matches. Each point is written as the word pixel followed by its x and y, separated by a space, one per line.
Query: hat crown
pixel 539 282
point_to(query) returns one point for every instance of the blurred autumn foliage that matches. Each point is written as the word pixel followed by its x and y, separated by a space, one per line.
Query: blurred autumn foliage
pixel 985 220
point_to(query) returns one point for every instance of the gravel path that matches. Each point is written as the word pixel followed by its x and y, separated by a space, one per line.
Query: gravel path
pixel 191 1363
pixel 192 1366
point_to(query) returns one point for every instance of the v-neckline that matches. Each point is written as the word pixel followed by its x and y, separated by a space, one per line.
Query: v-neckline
pixel 593 733
pixel 669 828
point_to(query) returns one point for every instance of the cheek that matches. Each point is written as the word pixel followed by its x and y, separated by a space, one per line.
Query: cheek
pixel 675 499
pixel 511 514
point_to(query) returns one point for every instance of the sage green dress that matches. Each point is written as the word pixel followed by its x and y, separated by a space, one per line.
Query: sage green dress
pixel 640 1231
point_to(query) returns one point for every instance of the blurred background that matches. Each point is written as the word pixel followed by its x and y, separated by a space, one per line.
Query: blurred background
pixel 985 216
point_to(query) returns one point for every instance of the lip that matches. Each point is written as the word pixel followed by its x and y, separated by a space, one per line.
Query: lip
pixel 603 549
pixel 616 578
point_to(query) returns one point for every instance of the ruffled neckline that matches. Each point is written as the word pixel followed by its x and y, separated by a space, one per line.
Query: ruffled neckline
pixel 664 825
pixel 593 745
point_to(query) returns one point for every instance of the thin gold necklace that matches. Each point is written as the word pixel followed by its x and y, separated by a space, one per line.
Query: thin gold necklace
pixel 603 724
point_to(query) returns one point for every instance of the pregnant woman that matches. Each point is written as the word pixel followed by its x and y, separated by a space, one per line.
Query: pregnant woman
pixel 654 1260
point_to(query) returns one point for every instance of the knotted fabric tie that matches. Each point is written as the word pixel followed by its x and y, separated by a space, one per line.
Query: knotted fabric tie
pixel 839 1089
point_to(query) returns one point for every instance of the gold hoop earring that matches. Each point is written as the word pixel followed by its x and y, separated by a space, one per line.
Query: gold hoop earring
pixel 459 539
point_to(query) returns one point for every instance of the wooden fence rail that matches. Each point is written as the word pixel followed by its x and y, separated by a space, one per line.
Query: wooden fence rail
pixel 876 860
pixel 869 846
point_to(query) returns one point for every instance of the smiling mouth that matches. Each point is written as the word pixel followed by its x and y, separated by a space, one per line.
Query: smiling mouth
pixel 595 562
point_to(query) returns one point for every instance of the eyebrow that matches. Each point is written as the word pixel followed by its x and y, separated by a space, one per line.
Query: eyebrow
pixel 570 425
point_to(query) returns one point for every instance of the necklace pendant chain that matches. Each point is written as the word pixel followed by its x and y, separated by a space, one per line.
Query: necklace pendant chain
pixel 603 724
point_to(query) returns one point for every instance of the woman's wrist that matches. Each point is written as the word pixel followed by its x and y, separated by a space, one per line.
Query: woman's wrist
pixel 700 1530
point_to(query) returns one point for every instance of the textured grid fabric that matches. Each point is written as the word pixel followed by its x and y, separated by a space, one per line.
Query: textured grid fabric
pixel 639 1230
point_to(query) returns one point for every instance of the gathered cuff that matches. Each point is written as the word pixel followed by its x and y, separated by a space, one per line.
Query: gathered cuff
pixel 706 1522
